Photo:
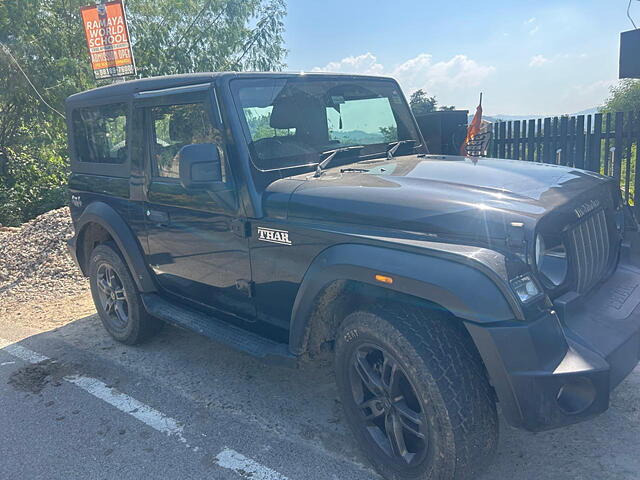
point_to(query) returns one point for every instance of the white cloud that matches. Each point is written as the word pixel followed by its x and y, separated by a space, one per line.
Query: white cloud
pixel 444 79
pixel 365 64
pixel 531 25
pixel 538 61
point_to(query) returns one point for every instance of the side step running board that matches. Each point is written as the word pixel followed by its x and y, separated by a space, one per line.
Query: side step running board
pixel 220 331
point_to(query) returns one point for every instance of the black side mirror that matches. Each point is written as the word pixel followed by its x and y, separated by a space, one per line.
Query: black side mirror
pixel 200 165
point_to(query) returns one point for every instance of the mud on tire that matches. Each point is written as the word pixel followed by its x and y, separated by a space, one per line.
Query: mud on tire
pixel 452 405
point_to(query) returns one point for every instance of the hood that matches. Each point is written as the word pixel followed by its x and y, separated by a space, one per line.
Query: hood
pixel 442 195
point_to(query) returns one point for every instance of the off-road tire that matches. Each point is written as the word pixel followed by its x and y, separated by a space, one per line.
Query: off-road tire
pixel 140 326
pixel 445 369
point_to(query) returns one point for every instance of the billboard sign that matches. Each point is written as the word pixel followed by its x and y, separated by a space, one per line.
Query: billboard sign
pixel 629 57
pixel 105 27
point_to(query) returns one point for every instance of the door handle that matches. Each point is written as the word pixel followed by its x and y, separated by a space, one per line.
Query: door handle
pixel 159 218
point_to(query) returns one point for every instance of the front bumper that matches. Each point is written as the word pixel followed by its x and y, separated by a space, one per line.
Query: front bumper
pixel 561 368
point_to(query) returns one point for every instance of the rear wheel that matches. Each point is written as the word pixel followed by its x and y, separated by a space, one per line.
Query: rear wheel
pixel 116 297
pixel 415 394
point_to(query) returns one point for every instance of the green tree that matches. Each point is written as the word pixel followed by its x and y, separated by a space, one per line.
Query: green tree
pixel 390 134
pixel 46 38
pixel 422 103
pixel 624 97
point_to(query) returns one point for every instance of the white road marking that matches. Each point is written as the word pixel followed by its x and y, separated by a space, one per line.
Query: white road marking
pixel 24 353
pixel 98 389
pixel 246 467
pixel 123 402
pixel 7 363
pixel 227 458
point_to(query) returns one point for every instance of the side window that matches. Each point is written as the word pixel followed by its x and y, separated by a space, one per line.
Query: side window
pixel 175 126
pixel 100 134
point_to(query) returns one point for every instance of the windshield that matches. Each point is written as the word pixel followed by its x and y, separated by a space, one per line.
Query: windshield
pixel 289 122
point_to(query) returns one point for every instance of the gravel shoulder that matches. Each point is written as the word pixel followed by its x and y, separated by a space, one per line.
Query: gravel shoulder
pixel 34 261
pixel 40 286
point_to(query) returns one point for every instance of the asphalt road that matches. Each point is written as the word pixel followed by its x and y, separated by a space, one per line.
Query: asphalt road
pixel 184 407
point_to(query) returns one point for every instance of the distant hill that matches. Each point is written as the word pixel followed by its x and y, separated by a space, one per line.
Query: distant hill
pixel 506 118
pixel 357 136
pixel 511 118
pixel 588 111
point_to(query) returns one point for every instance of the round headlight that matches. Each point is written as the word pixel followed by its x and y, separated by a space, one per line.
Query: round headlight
pixel 551 261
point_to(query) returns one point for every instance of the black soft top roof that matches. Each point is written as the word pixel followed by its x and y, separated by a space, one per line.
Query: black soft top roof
pixel 131 87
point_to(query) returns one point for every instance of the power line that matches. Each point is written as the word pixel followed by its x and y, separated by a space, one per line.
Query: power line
pixel 629 15
pixel 8 52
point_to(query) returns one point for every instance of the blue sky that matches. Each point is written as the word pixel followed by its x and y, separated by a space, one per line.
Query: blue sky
pixel 528 57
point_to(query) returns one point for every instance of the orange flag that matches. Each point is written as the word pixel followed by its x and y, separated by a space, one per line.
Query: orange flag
pixel 473 129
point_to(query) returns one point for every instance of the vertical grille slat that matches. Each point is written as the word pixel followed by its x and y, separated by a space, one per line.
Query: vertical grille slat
pixel 605 237
pixel 586 245
pixel 590 248
pixel 592 235
pixel 600 229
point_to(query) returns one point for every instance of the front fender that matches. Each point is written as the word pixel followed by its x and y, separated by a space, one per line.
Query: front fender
pixel 105 216
pixel 462 285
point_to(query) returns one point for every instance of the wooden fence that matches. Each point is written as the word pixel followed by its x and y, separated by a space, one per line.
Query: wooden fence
pixel 605 143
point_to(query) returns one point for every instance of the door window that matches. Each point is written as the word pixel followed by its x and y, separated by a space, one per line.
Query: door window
pixel 175 126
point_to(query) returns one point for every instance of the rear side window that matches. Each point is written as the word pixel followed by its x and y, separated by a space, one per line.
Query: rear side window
pixel 100 134
pixel 175 126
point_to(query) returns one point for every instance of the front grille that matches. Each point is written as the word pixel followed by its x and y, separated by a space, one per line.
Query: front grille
pixel 590 247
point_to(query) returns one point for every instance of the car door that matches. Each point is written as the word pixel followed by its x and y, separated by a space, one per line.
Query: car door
pixel 195 248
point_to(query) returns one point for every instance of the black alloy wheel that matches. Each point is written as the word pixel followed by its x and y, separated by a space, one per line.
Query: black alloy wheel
pixel 389 405
pixel 415 393
pixel 117 298
pixel 113 296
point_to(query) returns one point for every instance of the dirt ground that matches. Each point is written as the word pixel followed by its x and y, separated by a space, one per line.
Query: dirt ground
pixel 46 314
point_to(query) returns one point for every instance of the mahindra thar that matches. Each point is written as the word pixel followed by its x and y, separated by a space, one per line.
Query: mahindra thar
pixel 293 216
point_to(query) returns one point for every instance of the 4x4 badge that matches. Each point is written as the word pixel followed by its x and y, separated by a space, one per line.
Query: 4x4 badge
pixel 273 235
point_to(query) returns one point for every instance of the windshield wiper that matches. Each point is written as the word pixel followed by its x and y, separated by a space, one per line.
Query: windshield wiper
pixel 332 153
pixel 393 146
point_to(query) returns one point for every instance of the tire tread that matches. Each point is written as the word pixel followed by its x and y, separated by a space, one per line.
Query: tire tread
pixel 441 342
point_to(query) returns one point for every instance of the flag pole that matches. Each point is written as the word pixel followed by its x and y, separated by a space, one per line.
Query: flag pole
pixel 480 98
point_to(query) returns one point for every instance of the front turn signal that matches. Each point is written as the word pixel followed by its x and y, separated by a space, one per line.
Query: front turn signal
pixel 384 279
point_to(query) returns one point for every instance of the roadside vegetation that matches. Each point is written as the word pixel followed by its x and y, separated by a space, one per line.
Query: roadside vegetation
pixel 46 40
pixel 625 97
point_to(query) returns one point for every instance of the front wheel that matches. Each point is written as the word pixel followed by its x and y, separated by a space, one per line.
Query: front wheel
pixel 116 297
pixel 415 394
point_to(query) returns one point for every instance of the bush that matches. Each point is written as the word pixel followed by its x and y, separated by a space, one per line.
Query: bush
pixel 33 182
